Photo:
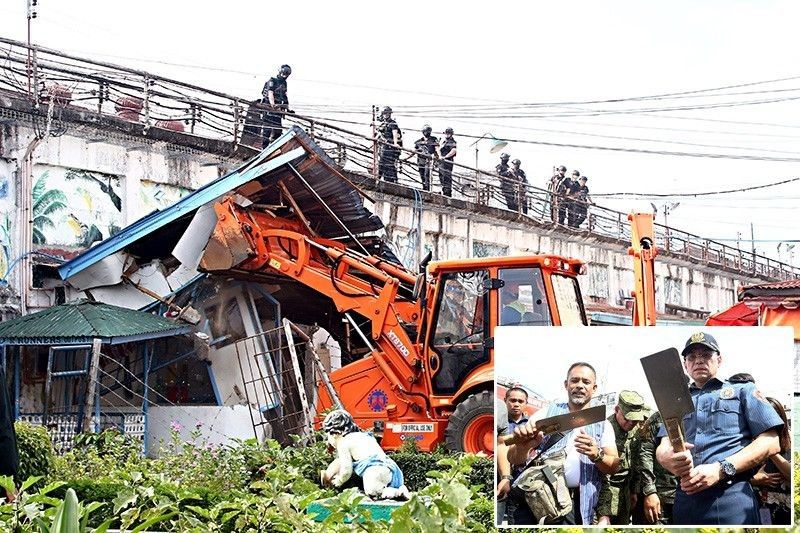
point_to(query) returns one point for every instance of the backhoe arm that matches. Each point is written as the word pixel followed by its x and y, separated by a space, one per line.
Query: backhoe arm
pixel 643 250
pixel 256 241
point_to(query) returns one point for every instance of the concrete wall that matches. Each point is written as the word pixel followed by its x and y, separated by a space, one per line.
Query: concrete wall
pixel 216 425
pixel 451 234
pixel 89 166
pixel 91 183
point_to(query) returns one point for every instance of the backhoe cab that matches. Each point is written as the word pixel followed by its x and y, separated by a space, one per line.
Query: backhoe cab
pixel 447 396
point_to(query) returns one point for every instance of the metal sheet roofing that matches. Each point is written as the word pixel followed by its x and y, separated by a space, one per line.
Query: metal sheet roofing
pixel 81 321
pixel 152 232
pixel 788 288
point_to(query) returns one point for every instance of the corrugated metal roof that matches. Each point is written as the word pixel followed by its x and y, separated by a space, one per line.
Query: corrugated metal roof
pixel 788 288
pixel 267 169
pixel 84 320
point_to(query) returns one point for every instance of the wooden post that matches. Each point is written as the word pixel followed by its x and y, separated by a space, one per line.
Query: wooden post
pixel 94 366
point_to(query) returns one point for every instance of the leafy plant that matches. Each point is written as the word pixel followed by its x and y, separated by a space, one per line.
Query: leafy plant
pixel 36 455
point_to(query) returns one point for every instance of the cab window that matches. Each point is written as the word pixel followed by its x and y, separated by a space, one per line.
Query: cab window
pixel 522 298
pixel 459 330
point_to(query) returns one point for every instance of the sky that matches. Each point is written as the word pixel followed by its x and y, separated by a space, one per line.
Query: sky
pixel 470 66
pixel 766 353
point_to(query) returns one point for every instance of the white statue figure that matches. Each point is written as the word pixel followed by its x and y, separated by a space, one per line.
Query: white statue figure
pixel 358 451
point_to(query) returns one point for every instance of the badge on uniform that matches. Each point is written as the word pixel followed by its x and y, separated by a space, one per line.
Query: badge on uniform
pixel 726 393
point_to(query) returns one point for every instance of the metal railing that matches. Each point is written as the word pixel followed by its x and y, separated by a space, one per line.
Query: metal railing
pixel 54 81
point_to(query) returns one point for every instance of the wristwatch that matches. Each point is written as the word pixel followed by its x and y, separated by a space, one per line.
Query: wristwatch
pixel 727 469
pixel 507 477
pixel 599 457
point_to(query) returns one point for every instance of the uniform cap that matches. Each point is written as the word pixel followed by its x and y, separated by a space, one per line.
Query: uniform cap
pixel 702 339
pixel 632 406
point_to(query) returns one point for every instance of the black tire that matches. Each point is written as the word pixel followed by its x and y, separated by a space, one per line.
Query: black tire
pixel 474 408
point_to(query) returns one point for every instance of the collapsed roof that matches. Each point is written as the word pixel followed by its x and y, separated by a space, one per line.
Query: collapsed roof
pixel 293 176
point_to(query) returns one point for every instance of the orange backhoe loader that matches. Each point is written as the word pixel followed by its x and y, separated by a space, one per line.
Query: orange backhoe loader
pixel 429 374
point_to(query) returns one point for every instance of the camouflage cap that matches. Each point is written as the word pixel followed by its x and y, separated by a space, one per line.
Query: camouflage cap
pixel 632 405
pixel 703 339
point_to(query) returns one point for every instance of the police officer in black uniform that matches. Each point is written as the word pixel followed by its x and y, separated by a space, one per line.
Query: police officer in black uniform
pixel 507 182
pixel 521 185
pixel 426 148
pixel 447 153
pixel 580 200
pixel 276 98
pixel 390 140
pixel 563 189
pixel 731 432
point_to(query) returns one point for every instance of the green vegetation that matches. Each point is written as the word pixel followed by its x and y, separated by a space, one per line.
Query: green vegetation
pixel 196 486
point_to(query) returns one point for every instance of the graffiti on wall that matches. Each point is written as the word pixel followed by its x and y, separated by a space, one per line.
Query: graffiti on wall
pixel 7 210
pixel 73 207
pixel 153 196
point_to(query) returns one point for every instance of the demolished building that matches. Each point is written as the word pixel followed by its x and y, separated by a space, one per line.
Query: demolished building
pixel 153 265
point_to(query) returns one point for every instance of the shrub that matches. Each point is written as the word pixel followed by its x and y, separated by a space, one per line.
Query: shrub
pixel 36 454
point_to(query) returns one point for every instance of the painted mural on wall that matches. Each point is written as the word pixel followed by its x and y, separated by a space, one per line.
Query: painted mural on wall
pixel 73 207
pixel 6 216
pixel 153 196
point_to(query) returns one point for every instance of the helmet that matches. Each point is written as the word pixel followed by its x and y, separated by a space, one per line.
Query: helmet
pixel 504 157
pixel 576 173
pixel 448 130
pixel 516 162
pixel 386 110
pixel 339 422
pixel 427 129
pixel 285 70
pixel 562 168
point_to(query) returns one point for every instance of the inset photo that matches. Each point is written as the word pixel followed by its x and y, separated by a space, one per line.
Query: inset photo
pixel 644 426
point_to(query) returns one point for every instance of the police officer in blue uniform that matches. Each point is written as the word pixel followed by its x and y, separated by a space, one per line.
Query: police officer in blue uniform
pixel 731 432
pixel 275 93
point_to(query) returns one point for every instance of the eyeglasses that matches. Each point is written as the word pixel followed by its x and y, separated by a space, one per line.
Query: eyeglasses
pixel 694 357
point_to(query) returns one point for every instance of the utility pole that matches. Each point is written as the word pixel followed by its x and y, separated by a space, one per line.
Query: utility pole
pixel 31 15
pixel 753 245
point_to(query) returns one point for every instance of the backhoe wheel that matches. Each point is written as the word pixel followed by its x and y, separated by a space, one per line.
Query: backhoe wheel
pixel 471 427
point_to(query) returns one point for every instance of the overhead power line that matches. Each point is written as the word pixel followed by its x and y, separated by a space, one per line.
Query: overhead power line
pixel 691 194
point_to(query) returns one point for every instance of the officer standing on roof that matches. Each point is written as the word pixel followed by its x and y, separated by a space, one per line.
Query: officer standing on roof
pixel 732 431
pixel 558 176
pixel 614 502
pixel 426 148
pixel 521 185
pixel 276 97
pixel 447 153
pixel 506 181
pixel 390 140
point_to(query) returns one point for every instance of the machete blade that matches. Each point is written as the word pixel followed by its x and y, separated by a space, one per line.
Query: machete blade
pixel 569 421
pixel 667 381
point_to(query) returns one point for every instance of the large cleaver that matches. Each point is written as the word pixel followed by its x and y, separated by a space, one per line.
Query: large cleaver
pixel 667 380
pixel 564 423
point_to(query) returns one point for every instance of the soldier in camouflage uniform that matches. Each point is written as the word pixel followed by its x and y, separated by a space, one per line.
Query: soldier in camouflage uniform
pixel 614 503
pixel 657 484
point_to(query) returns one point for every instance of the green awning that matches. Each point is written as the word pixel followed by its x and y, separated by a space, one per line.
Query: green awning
pixel 81 321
